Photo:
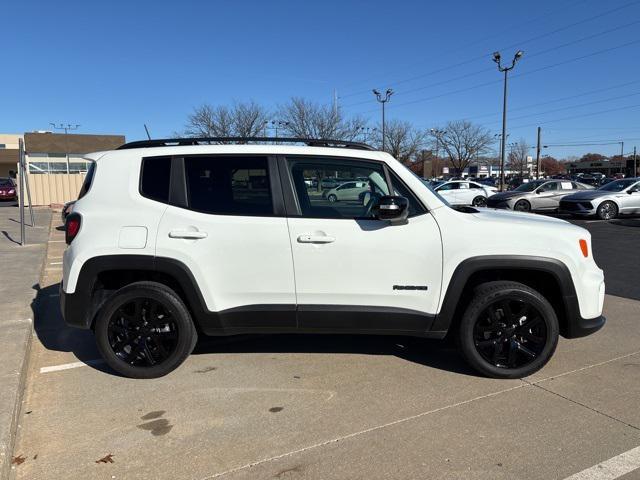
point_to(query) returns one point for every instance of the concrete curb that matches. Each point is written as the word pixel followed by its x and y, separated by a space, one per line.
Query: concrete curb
pixel 16 337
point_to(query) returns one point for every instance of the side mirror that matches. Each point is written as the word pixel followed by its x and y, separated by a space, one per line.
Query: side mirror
pixel 632 190
pixel 539 191
pixel 393 209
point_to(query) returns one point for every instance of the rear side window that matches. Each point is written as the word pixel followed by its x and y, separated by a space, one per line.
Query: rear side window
pixel 155 178
pixel 88 180
pixel 228 185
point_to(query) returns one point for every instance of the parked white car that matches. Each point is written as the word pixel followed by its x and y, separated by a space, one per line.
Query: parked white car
pixel 465 192
pixel 346 191
pixel 171 239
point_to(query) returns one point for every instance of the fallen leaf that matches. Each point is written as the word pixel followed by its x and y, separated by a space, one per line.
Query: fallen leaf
pixel 106 459
pixel 18 460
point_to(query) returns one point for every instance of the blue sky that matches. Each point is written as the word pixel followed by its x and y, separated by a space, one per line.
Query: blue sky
pixel 112 66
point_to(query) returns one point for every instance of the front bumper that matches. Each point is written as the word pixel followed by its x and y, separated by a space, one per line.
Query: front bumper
pixel 581 327
pixel 577 208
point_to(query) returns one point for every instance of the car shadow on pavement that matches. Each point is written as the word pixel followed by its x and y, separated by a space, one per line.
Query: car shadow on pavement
pixel 55 335
pixel 438 354
pixel 626 222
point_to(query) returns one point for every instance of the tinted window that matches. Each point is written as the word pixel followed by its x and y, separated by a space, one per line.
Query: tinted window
pixel 156 172
pixel 88 180
pixel 321 202
pixel 474 185
pixel 228 185
pixel 449 186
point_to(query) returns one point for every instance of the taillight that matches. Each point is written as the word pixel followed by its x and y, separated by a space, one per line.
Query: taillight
pixel 72 227
pixel 584 247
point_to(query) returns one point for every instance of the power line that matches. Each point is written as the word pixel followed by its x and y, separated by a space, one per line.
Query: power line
pixel 560 99
pixel 519 43
pixel 577 116
pixel 574 106
pixel 473 87
pixel 548 50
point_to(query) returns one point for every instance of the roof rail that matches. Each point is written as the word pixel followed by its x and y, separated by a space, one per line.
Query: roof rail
pixel 312 142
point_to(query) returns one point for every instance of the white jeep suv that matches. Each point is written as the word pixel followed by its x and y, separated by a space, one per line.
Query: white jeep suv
pixel 171 239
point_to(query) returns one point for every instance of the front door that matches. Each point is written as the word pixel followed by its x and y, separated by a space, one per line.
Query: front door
pixel 352 271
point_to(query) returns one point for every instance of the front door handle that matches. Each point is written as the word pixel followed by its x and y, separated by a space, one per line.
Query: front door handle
pixel 316 239
pixel 188 234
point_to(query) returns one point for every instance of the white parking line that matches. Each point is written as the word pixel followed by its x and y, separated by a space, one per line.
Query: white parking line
pixel 55 263
pixel 56 241
pixel 69 366
pixel 610 469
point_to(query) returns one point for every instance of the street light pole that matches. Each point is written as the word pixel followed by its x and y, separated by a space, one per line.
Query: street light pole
pixel 538 154
pixel 436 133
pixel 379 98
pixel 497 58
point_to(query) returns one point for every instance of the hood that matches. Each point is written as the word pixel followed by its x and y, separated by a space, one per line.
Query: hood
pixel 507 195
pixel 510 217
pixel 587 195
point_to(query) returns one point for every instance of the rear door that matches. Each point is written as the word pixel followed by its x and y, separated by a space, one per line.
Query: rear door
pixel 226 223
pixel 449 192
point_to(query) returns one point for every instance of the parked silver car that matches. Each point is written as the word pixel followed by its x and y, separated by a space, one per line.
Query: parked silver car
pixel 610 200
pixel 537 195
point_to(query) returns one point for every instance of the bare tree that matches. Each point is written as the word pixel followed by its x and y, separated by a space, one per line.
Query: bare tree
pixel 402 140
pixel 239 120
pixel 517 160
pixel 462 141
pixel 306 119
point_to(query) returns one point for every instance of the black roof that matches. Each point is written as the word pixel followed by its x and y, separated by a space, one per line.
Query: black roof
pixel 311 142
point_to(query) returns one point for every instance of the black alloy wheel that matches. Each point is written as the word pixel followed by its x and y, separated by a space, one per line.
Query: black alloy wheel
pixel 510 333
pixel 479 201
pixel 142 332
pixel 508 330
pixel 522 206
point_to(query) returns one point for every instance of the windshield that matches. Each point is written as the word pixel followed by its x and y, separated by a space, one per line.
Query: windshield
pixel 528 187
pixel 426 184
pixel 5 182
pixel 618 185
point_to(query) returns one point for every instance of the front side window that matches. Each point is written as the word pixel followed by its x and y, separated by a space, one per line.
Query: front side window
pixel 449 186
pixel 228 185
pixel 547 187
pixel 351 200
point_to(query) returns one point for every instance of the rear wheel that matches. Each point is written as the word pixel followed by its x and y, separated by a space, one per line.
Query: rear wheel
pixel 509 330
pixel 607 210
pixel 522 206
pixel 144 330
pixel 479 201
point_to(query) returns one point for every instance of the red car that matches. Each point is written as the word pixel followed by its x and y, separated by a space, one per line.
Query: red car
pixel 8 189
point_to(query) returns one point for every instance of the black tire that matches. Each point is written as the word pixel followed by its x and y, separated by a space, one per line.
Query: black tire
pixel 129 312
pixel 607 210
pixel 479 201
pixel 522 206
pixel 505 346
pixel 332 198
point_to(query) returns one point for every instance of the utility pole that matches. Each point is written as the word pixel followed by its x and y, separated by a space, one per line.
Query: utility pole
pixel 538 154
pixel 497 58
pixel 635 165
pixel 435 167
pixel 379 98
pixel 335 101
pixel 66 129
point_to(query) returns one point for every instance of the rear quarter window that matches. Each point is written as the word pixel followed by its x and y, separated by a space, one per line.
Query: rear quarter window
pixel 88 180
pixel 155 177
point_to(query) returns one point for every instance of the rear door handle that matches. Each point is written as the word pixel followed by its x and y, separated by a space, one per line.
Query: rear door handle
pixel 316 239
pixel 188 234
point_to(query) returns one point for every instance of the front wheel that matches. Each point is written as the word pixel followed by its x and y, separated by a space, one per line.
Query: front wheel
pixel 332 198
pixel 509 330
pixel 479 201
pixel 522 206
pixel 144 330
pixel 607 210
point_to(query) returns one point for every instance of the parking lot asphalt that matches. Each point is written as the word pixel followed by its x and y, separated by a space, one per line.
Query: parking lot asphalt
pixel 325 407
